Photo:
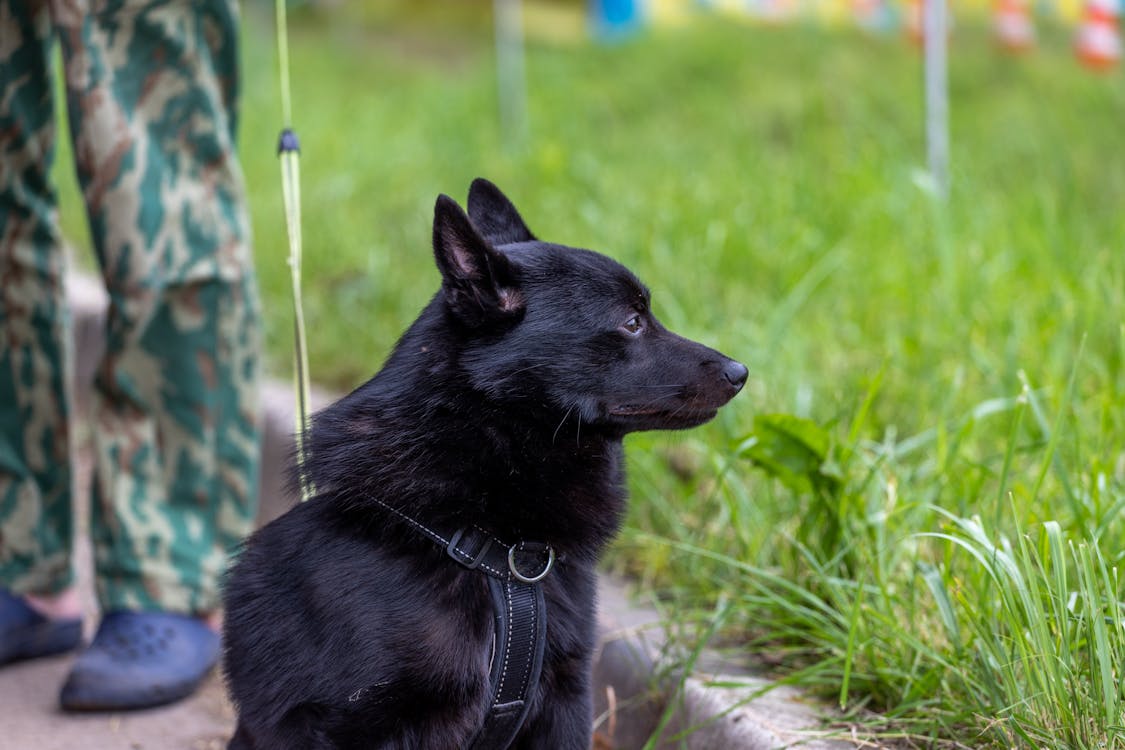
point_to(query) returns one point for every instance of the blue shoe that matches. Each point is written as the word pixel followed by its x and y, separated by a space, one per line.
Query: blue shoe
pixel 139 660
pixel 26 634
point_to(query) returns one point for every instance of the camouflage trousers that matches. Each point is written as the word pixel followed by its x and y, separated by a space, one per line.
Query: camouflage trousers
pixel 151 93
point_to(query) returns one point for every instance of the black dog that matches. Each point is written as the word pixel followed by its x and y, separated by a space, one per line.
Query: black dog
pixel 502 408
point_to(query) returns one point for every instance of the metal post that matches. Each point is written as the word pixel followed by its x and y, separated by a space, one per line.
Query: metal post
pixel 510 76
pixel 936 36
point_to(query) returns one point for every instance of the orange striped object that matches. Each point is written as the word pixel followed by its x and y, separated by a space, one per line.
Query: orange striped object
pixel 1098 44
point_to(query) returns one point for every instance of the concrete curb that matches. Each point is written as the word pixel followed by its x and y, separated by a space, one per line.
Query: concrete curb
pixel 633 683
pixel 636 681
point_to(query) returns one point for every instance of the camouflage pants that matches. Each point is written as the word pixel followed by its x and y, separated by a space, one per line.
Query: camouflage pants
pixel 151 93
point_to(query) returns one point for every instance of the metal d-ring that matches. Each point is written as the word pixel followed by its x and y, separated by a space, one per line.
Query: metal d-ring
pixel 530 579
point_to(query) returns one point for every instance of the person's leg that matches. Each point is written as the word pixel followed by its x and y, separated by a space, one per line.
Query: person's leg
pixel 35 477
pixel 151 92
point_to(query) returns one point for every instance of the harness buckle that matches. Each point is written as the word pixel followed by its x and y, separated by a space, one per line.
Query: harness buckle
pixel 535 577
pixel 472 563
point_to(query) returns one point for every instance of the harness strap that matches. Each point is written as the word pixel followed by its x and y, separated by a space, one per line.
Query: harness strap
pixel 520 614
pixel 475 548
pixel 517 660
pixel 520 620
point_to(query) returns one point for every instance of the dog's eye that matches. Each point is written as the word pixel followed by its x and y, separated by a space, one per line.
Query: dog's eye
pixel 634 325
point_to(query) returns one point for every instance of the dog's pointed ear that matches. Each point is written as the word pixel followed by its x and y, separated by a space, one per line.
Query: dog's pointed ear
pixel 478 282
pixel 495 216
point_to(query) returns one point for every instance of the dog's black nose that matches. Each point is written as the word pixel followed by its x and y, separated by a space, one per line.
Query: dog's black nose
pixel 736 374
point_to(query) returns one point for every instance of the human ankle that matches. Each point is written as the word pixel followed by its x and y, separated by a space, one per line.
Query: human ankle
pixel 213 620
pixel 63 605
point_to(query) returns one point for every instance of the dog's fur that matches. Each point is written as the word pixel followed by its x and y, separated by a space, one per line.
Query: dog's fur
pixel 504 405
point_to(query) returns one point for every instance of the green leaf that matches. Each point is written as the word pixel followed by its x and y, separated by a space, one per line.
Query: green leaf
pixel 792 450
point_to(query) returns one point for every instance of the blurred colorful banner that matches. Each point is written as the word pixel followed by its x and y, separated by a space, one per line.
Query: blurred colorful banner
pixel 879 12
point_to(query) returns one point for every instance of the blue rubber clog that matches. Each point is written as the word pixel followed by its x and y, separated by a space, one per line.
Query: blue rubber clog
pixel 140 660
pixel 26 634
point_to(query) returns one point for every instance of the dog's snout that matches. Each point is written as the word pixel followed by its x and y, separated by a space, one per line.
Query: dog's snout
pixel 736 374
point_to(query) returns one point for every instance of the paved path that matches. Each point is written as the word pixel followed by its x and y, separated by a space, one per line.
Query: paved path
pixel 30 719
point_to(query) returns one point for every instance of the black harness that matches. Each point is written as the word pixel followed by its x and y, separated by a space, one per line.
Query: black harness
pixel 514 572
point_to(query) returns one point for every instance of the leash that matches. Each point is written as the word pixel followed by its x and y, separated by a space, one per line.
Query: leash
pixel 289 151
pixel 514 573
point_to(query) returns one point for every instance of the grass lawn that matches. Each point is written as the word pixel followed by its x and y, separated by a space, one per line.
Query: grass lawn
pixel 917 505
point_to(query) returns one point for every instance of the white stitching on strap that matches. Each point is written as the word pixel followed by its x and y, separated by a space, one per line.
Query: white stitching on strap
pixel 494 539
pixel 486 566
pixel 531 656
pixel 507 644
pixel 442 540
pixel 433 534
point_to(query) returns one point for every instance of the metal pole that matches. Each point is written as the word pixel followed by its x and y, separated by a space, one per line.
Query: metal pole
pixel 936 36
pixel 511 80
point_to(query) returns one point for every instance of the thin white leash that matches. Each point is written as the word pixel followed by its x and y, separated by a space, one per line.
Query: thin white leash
pixel 289 152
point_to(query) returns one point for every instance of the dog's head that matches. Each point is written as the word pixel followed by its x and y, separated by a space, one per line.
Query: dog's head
pixel 566 331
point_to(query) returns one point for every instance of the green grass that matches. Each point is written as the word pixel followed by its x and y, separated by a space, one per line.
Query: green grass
pixel 932 528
